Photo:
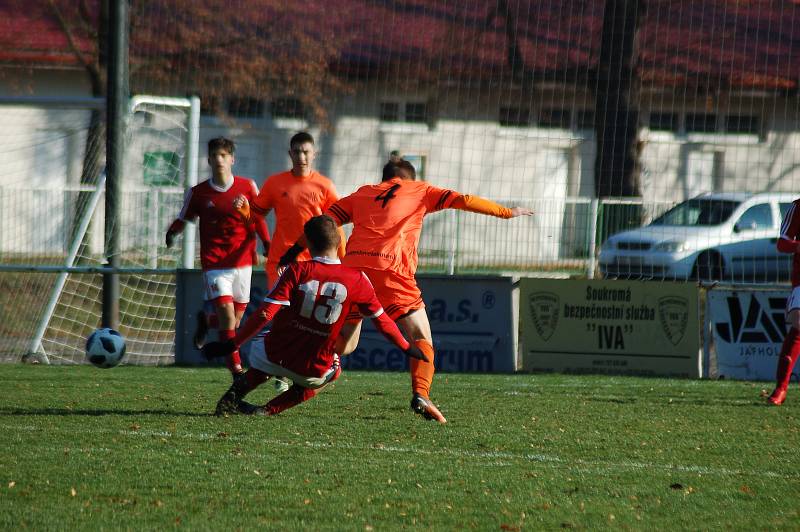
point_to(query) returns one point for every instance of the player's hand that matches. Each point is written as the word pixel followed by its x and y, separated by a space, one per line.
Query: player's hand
pixel 415 352
pixel 520 211
pixel 214 350
pixel 242 206
pixel 170 238
pixel 291 255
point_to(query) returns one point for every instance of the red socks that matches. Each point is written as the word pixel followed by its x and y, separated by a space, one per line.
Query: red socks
pixel 291 397
pixel 234 362
pixel 789 353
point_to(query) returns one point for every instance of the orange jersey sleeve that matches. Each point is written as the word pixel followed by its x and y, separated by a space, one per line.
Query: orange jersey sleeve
pixel 466 202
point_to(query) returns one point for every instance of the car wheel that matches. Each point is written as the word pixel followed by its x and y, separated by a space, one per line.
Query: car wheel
pixel 708 267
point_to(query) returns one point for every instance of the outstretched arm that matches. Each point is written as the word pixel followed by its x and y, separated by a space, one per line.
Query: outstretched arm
pixel 468 202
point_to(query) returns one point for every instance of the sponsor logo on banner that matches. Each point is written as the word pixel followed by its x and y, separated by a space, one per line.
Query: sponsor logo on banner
pixel 544 313
pixel 756 324
pixel 748 328
pixel 673 312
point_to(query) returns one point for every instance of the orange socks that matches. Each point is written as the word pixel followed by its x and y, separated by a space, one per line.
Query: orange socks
pixel 422 372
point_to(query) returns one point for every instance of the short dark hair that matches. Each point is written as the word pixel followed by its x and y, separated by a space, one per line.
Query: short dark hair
pixel 321 233
pixel 402 169
pixel 301 138
pixel 221 143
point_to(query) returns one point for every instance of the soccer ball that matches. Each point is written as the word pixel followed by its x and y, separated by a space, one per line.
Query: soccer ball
pixel 105 348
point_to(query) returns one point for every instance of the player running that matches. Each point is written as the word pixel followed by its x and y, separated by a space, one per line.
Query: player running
pixel 309 304
pixel 387 222
pixel 789 242
pixel 227 239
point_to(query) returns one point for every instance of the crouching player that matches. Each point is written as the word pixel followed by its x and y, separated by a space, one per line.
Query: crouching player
pixel 313 298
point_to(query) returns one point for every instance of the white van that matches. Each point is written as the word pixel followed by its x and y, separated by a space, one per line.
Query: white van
pixel 716 236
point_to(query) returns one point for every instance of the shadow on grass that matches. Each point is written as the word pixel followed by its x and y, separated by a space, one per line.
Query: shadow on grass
pixel 97 412
pixel 666 400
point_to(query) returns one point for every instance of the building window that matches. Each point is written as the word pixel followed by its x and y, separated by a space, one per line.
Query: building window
pixel 409 112
pixel 663 122
pixel 246 107
pixel 288 108
pixel 515 116
pixel 554 118
pixel 701 123
pixel 390 112
pixel 416 113
pixel 585 119
pixel 742 125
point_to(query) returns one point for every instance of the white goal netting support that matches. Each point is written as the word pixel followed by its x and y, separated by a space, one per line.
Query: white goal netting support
pixel 52 219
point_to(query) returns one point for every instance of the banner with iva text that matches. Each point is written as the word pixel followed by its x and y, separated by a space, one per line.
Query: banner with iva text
pixel 621 327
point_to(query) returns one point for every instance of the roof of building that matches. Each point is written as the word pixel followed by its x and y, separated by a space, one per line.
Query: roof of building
pixel 712 43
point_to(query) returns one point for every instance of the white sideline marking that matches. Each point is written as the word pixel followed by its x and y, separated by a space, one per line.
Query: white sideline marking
pixel 597 466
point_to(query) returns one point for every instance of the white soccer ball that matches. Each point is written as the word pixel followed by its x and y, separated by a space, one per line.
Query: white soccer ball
pixel 105 348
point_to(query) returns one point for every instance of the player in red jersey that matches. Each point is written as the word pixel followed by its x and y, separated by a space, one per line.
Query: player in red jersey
pixel 789 242
pixel 314 298
pixel 387 222
pixel 227 240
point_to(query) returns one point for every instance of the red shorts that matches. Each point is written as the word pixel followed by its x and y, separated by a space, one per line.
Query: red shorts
pixel 398 294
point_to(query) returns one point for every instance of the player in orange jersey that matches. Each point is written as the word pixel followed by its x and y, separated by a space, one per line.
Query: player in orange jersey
pixel 387 221
pixel 296 196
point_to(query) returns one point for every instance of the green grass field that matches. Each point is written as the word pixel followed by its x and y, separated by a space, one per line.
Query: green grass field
pixel 137 448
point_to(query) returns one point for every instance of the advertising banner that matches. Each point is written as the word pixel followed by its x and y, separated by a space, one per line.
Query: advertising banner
pixel 747 329
pixel 472 322
pixel 472 319
pixel 619 327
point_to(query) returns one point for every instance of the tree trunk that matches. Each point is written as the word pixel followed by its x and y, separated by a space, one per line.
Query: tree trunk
pixel 616 98
pixel 96 135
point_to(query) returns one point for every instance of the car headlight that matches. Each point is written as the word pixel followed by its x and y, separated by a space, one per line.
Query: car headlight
pixel 672 246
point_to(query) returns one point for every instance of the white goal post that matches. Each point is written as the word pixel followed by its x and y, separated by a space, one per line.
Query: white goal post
pixel 56 281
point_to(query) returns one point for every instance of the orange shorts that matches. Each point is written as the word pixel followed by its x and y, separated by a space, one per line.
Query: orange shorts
pixel 397 294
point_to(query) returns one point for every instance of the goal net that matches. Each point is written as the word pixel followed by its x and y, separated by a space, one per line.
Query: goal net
pixel 52 227
pixel 599 115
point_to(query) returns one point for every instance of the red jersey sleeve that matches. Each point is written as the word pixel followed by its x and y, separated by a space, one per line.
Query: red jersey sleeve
pixel 189 211
pixel 281 293
pixel 367 302
pixel 258 220
pixel 790 230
